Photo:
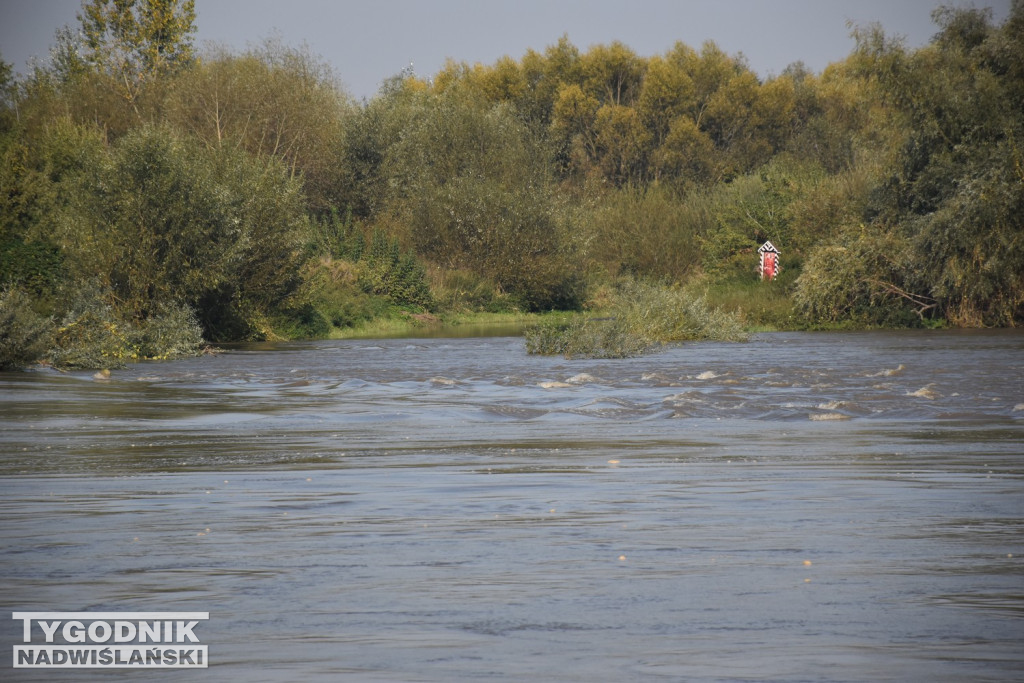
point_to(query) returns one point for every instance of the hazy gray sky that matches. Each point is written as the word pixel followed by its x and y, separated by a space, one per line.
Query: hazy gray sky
pixel 367 41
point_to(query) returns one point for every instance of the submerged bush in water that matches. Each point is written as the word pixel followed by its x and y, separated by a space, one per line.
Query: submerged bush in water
pixel 173 332
pixel 666 314
pixel 92 335
pixel 24 334
pixel 582 337
pixel 642 317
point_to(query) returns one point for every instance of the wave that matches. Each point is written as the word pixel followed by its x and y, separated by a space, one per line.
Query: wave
pixel 898 370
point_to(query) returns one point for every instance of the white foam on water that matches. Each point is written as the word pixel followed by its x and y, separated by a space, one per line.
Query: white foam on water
pixel 661 379
pixel 686 396
pixel 898 370
pixel 925 392
pixel 834 405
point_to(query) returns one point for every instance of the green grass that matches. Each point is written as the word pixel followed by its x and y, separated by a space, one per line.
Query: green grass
pixel 452 324
pixel 375 328
pixel 761 306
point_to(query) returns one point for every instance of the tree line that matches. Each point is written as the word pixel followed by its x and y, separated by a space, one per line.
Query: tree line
pixel 153 198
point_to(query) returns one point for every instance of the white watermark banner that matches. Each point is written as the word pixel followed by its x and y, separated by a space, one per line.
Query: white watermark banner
pixel 110 640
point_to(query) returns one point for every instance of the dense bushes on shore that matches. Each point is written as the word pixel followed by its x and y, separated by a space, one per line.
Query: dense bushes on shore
pixel 151 202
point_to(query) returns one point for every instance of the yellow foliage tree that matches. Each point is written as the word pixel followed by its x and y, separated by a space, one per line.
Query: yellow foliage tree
pixel 135 41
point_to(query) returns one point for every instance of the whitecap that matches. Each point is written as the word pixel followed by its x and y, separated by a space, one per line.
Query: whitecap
pixel 708 374
pixel 898 370
pixel 443 381
pixel 581 378
pixel 660 379
pixel 1019 406
pixel 553 385
pixel 686 396
pixel 834 405
pixel 925 392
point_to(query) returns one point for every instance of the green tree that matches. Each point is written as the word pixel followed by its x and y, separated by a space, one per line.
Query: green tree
pixel 8 97
pixel 750 121
pixel 645 232
pixel 686 156
pixel 958 189
pixel 113 70
pixel 668 93
pixel 502 82
pixel 572 124
pixel 363 149
pixel 545 74
pixel 134 41
pixel 160 221
pixel 612 74
pixel 622 144
pixel 710 71
pixel 35 173
pixel 270 101
pixel 471 189
pixel 830 116
pixel 953 197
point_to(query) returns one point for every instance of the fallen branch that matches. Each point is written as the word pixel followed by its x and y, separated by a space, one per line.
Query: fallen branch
pixel 921 302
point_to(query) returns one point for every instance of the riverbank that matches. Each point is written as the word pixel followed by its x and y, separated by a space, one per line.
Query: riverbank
pixel 756 306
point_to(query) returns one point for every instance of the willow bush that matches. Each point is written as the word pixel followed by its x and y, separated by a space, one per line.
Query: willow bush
pixel 650 231
pixel 470 187
pixel 163 221
pixel 642 317
pixel 94 334
pixel 25 336
pixel 941 236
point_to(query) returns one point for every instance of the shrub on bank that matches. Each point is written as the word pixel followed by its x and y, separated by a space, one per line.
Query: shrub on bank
pixel 463 290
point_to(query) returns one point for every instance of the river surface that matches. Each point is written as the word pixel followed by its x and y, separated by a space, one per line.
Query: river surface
pixel 801 507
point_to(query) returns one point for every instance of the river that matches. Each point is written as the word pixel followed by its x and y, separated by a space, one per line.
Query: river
pixel 800 507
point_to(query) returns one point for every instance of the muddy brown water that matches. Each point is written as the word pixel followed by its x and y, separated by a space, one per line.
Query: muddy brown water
pixel 802 507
